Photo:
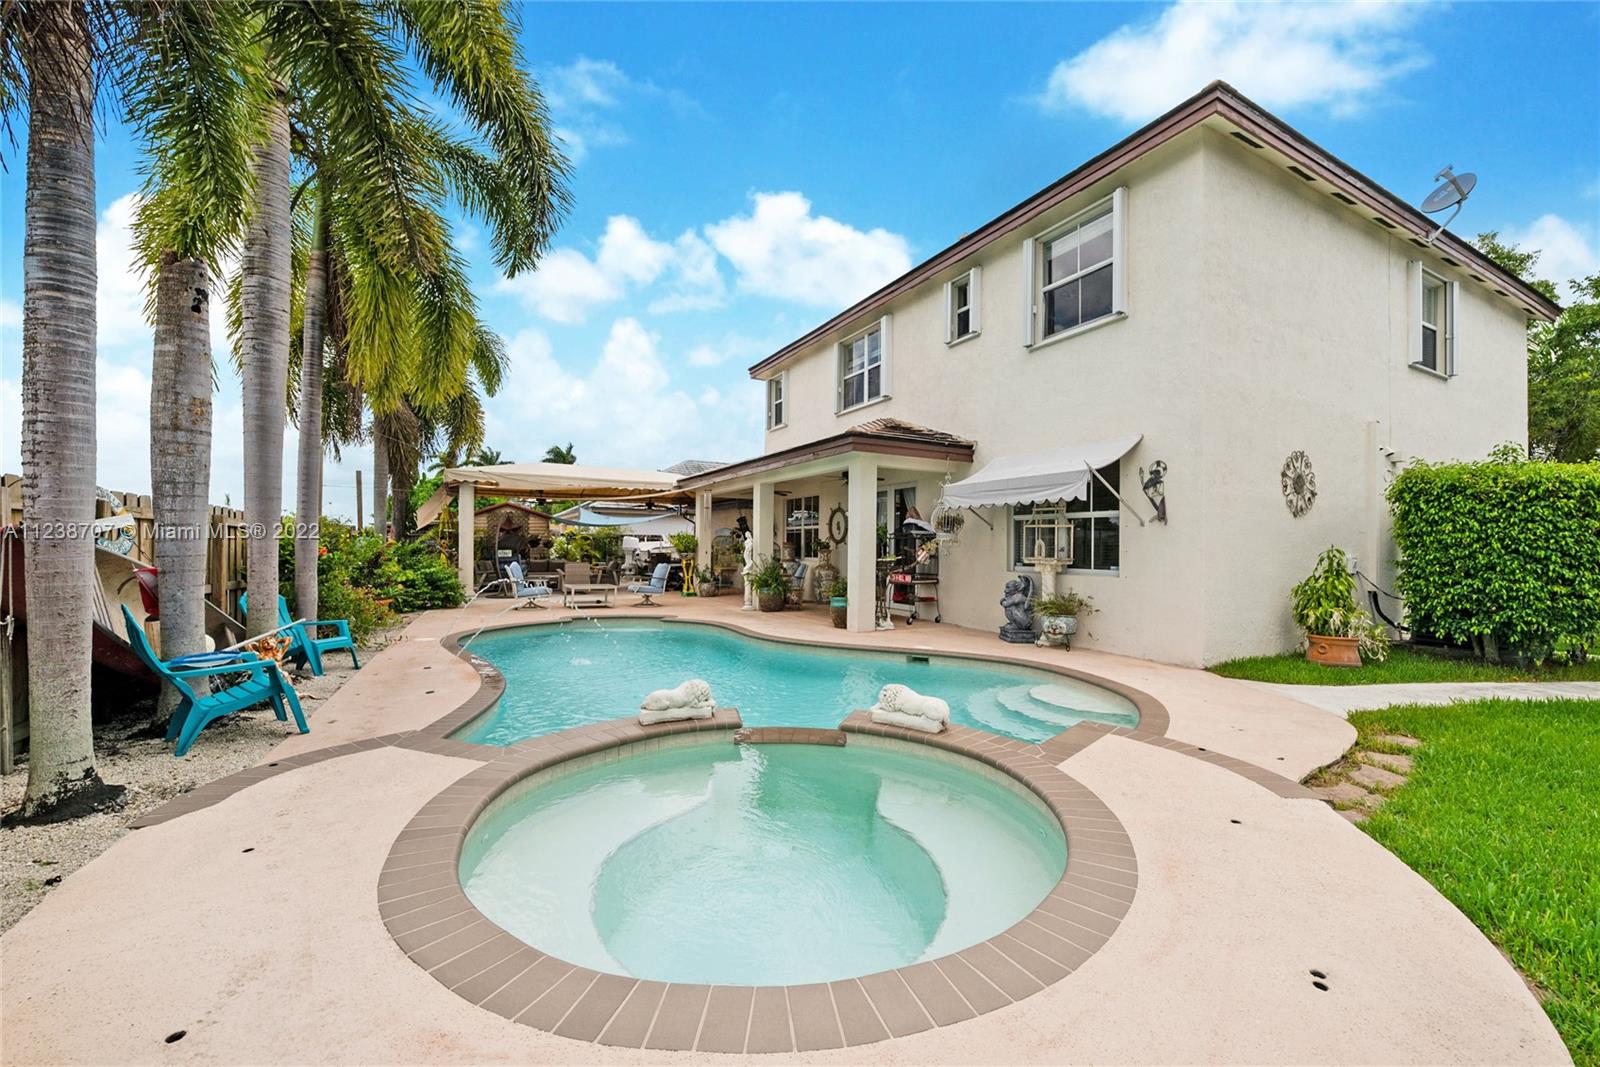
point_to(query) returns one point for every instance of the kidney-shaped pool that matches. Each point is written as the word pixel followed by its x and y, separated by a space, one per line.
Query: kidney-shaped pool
pixel 761 864
pixel 561 675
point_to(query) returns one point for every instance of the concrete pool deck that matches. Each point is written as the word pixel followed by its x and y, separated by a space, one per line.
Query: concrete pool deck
pixel 279 953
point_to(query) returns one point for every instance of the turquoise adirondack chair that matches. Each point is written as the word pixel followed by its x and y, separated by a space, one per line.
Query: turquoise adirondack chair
pixel 195 711
pixel 305 647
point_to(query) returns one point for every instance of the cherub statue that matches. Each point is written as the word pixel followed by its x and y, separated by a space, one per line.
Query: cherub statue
pixel 1017 601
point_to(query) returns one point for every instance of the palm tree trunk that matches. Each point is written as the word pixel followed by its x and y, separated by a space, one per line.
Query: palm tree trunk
pixel 380 480
pixel 308 506
pixel 58 412
pixel 264 346
pixel 180 454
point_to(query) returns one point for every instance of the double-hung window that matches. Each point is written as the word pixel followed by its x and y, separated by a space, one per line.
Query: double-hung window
pixel 1436 325
pixel 864 366
pixel 962 313
pixel 802 522
pixel 1075 272
pixel 776 388
pixel 1096 528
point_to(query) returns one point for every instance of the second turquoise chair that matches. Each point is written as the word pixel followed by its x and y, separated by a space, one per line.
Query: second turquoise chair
pixel 305 646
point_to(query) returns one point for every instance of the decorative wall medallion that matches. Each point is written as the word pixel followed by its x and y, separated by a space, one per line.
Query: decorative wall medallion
pixel 838 525
pixel 1299 483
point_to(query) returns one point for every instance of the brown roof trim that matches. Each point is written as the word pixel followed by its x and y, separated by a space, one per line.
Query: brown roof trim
pixel 1221 99
pixel 852 440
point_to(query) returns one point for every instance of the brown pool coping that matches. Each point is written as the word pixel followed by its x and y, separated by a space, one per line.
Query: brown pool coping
pixel 425 909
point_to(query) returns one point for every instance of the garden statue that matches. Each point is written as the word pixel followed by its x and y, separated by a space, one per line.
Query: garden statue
pixel 1018 604
pixel 749 570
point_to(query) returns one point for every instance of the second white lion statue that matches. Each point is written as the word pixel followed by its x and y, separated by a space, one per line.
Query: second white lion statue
pixel 691 700
pixel 900 705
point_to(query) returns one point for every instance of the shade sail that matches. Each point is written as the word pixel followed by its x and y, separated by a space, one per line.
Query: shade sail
pixel 566 481
pixel 1037 477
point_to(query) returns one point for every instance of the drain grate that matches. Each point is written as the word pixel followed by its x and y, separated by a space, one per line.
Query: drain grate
pixel 916 659
pixel 176 1035
pixel 1317 979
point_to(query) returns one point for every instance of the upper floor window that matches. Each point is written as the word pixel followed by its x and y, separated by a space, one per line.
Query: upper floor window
pixel 962 308
pixel 1437 328
pixel 1095 523
pixel 1074 272
pixel 864 366
pixel 776 387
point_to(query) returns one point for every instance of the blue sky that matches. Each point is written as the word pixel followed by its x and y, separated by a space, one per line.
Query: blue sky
pixel 741 172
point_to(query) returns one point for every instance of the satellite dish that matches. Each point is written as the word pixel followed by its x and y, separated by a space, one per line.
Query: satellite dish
pixel 1452 192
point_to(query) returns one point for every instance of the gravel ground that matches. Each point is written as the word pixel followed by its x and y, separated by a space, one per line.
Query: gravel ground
pixel 34 859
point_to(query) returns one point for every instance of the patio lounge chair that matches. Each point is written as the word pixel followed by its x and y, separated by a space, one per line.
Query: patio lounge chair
pixel 194 711
pixel 525 589
pixel 654 587
pixel 305 647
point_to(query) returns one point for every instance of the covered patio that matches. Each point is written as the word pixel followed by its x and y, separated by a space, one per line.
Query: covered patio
pixel 851 490
pixel 541 482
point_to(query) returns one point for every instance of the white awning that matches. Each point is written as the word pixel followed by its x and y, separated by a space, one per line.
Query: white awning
pixel 1037 477
pixel 569 481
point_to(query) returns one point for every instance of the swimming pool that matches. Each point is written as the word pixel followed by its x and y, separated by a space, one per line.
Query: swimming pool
pixel 562 675
pixel 706 862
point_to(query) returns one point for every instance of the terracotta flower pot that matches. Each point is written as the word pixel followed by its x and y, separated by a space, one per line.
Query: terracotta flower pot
pixel 770 599
pixel 1333 651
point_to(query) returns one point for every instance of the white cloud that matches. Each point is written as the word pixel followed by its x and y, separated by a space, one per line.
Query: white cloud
pixel 10 315
pixel 568 285
pixel 585 96
pixel 119 297
pixel 782 250
pixel 1334 55
pixel 663 421
pixel 1564 252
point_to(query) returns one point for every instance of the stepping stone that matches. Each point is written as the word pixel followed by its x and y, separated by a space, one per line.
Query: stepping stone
pixel 1389 761
pixel 1376 777
pixel 1347 793
pixel 1355 815
pixel 1399 739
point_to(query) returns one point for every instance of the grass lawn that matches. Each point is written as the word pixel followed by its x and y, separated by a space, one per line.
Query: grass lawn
pixel 1403 665
pixel 1502 815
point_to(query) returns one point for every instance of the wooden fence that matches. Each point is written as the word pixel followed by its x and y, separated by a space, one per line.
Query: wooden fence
pixel 225 546
pixel 225 582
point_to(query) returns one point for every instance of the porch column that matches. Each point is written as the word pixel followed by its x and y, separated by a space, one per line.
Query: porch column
pixel 702 528
pixel 466 508
pixel 761 517
pixel 861 543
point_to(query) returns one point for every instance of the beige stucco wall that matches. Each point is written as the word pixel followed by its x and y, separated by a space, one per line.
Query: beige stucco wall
pixel 1262 317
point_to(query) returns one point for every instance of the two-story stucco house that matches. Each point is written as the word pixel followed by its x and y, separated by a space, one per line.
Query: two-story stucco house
pixel 1214 294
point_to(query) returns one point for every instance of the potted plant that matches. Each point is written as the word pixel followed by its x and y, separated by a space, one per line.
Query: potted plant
pixel 687 546
pixel 1058 618
pixel 705 582
pixel 771 583
pixel 1337 631
pixel 838 602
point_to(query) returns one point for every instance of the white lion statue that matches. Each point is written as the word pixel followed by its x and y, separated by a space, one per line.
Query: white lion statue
pixel 900 705
pixel 691 700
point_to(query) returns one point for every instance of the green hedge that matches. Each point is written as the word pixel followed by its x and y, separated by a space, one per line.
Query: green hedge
pixel 1504 554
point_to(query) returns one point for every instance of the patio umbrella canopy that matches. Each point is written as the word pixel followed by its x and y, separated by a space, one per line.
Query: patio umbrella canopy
pixel 1037 477
pixel 566 481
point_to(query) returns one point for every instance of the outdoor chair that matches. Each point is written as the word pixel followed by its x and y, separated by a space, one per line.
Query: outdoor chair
pixel 797 584
pixel 525 589
pixel 305 647
pixel 576 574
pixel 654 587
pixel 265 682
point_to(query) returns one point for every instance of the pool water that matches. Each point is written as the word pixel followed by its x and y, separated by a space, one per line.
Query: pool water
pixel 761 864
pixel 563 675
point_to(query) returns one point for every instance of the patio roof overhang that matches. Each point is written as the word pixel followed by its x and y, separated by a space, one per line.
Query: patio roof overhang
pixel 886 437
pixel 564 481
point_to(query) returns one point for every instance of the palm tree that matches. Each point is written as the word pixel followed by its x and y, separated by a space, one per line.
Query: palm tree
pixel 557 454
pixel 196 116
pixel 408 314
pixel 47 55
